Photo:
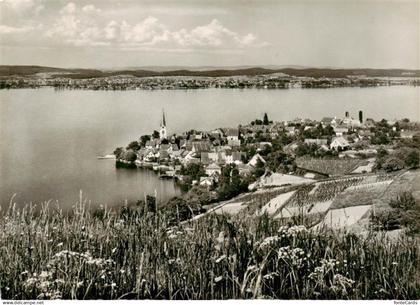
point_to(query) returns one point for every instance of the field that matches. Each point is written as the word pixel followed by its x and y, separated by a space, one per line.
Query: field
pixel 123 255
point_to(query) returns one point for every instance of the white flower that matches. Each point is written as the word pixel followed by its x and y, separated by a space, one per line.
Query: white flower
pixel 220 258
pixel 218 279
pixel 268 241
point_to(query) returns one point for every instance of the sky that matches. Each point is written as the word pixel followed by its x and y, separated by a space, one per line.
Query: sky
pixel 135 33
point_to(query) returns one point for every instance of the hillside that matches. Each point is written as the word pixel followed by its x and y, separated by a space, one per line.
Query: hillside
pixel 10 70
pixel 334 203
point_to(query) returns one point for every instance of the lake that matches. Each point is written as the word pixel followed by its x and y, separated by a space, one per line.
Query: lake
pixel 50 139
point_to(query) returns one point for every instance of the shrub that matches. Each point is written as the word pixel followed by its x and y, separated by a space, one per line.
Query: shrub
pixel 404 213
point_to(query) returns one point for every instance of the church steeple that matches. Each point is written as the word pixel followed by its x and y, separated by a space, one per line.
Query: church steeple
pixel 163 123
pixel 162 132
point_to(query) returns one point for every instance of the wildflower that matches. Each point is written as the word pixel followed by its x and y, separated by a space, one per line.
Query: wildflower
pixel 395 263
pixel 113 285
pixel 218 279
pixel 292 231
pixel 270 275
pixel 24 272
pixel 59 244
pixel 343 281
pixel 221 238
pixel 220 259
pixel 269 241
pixel 113 250
pixel 44 274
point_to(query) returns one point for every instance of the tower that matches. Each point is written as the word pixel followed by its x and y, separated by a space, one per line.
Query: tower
pixel 361 116
pixel 162 132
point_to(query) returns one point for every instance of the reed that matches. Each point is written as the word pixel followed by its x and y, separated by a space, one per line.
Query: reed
pixel 48 254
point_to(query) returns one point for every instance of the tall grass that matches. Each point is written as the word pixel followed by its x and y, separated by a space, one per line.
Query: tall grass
pixel 83 255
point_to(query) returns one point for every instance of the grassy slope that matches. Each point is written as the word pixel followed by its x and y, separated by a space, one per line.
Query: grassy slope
pixel 83 256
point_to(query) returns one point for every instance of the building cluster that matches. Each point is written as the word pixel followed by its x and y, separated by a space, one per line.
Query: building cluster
pixel 130 82
pixel 346 137
pixel 212 150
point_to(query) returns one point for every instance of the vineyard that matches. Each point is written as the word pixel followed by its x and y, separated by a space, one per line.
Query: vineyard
pixel 314 203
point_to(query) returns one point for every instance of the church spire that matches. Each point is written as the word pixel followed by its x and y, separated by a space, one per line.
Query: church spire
pixel 162 132
pixel 163 118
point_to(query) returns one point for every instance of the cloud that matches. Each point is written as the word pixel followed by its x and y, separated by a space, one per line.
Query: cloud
pixel 69 8
pixel 83 30
pixel 90 8
pixel 19 5
pixel 4 29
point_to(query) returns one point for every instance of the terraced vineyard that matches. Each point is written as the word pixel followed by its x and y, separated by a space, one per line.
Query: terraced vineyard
pixel 335 203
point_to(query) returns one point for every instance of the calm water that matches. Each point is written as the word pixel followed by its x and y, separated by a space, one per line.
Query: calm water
pixel 50 139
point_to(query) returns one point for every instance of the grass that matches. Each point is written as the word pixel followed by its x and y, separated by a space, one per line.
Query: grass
pixel 47 254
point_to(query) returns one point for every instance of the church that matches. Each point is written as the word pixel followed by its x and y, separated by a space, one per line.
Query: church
pixel 163 132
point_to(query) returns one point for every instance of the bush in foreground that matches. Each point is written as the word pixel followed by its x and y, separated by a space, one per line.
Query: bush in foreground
pixel 51 255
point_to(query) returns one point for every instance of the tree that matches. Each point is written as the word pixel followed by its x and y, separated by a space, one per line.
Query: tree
pixel 265 120
pixel 380 138
pixel 130 156
pixel 393 164
pixel 156 134
pixel 413 159
pixel 144 139
pixel 195 171
pixel 118 152
pixel 178 209
pixel 259 169
pixel 151 204
pixel 230 183
pixel 133 146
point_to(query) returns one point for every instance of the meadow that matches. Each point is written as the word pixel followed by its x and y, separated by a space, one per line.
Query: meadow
pixel 126 254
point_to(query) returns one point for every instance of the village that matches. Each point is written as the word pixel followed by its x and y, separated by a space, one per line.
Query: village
pixel 281 151
pixel 127 81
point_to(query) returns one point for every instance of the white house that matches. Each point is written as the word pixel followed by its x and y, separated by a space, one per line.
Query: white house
pixel 206 181
pixel 339 143
pixel 254 160
pixel 213 169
